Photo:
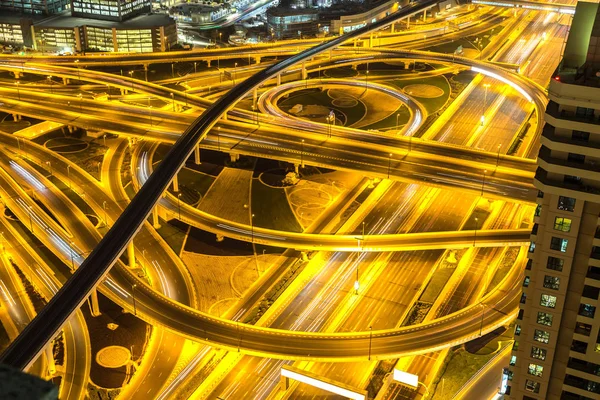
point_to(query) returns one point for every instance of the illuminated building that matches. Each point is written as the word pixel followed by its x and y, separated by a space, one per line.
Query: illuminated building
pixel 142 34
pixel 556 354
pixel 290 23
pixel 110 10
pixel 36 7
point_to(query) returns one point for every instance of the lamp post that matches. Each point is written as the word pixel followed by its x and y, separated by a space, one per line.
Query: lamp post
pixel 234 73
pixel 133 298
pixel 69 175
pixel 173 100
pixel 483 181
pixel 50 80
pixel 397 118
pixel 80 96
pixel 71 251
pixel 219 138
pixel 78 73
pixel 370 340
pixel 389 164
pixel 179 204
pixel 367 80
pixel 104 208
pixel 252 228
pixel 475 232
pixel 172 70
pixel 18 93
pixel 195 64
pixel 131 76
pixel 302 155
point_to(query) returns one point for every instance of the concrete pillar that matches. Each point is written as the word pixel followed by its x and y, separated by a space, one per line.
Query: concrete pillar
pixel 95 306
pixel 278 79
pixel 15 117
pixel 234 157
pixel 304 74
pixel 424 15
pixel 304 255
pixel 155 221
pixel 407 22
pixel 208 63
pixel 146 72
pixel 220 238
pixel 197 155
pixel 48 350
pixel 131 254
pixel 175 183
pixel 285 383
pixel 17 74
pixel 123 92
pixel 65 81
pixel 371 39
pixel 257 59
pixel 392 28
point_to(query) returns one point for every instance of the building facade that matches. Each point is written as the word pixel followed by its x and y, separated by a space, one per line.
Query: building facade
pixel 110 10
pixel 556 354
pixel 290 23
pixel 35 7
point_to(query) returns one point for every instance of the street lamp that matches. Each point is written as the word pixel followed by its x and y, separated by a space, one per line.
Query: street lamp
pixel 475 231
pixel 50 80
pixel 80 96
pixel 397 118
pixel 234 73
pixel 483 181
pixel 18 93
pixel 133 297
pixel 219 138
pixel 195 64
pixel 179 204
pixel 173 99
pixel 252 228
pixel 172 70
pixel 131 76
pixel 367 80
pixel 78 73
pixel 71 251
pixel 302 155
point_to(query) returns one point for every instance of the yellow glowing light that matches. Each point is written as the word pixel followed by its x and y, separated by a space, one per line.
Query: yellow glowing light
pixel 406 378
pixel 329 387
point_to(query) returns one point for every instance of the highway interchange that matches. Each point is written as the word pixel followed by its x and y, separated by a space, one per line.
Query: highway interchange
pixel 320 317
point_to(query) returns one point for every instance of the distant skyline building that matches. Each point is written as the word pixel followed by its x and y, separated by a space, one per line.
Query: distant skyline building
pixel 35 7
pixel 556 354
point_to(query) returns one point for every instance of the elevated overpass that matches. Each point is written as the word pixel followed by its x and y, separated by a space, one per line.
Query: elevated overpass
pixel 451 330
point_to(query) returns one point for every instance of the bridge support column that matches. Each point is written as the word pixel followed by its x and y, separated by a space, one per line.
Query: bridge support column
pixel 304 74
pixel 146 72
pixel 304 255
pixel 296 167
pixel 155 222
pixel 94 301
pixel 197 155
pixel 48 350
pixel 392 28
pixel 257 59
pixel 371 39
pixel 66 81
pixel 407 22
pixel 424 15
pixel 123 92
pixel 208 63
pixel 175 183
pixel 234 157
pixel 131 254
pixel 17 74
pixel 220 238
pixel 278 79
pixel 16 117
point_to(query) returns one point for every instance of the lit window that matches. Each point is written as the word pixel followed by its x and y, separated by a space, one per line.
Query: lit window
pixel 532 386
pixel 559 244
pixel 566 203
pixel 517 330
pixel 531 247
pixel 523 298
pixel 526 282
pixel 538 210
pixel 555 263
pixel 541 336
pixel 513 360
pixel 562 224
pixel 548 300
pixel 539 353
pixel 544 318
pixel 534 369
pixel 587 310
pixel 551 282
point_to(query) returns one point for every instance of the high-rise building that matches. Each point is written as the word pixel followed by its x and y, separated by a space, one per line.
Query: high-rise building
pixel 110 10
pixel 556 354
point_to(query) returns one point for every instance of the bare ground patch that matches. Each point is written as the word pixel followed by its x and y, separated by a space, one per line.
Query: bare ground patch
pixel 228 195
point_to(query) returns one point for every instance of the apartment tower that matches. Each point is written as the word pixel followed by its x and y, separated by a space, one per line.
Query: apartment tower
pixel 556 354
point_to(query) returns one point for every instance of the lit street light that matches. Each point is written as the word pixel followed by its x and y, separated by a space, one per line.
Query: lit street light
pixel 367 80
pixel 234 73
pixel 173 99
pixel 80 96
pixel 50 80
pixel 133 297
pixel 397 123
pixel 131 76
pixel 475 231
pixel 78 72
pixel 18 93
pixel 179 204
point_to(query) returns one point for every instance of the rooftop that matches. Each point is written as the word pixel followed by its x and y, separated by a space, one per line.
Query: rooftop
pixel 139 22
